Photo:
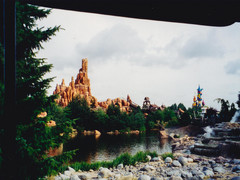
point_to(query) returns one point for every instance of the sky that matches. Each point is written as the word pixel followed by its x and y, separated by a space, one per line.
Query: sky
pixel 161 60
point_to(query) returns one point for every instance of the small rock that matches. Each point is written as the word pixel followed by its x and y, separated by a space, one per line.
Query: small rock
pixel 104 173
pixel 206 168
pixel 198 173
pixel 220 159
pixel 183 160
pixel 189 160
pixel 192 165
pixel 196 178
pixel 155 159
pixel 187 152
pixel 204 163
pixel 120 166
pixel 186 174
pixel 117 176
pixel 64 177
pixel 173 173
pixel 149 158
pixel 236 168
pixel 83 177
pixel 147 168
pixel 175 178
pixel 176 163
pixel 127 177
pixel 57 178
pixel 74 177
pixel 236 161
pixel 144 177
pixel 156 178
pixel 236 178
pixel 226 164
pixel 219 169
pixel 212 162
pixel 67 173
pixel 168 160
pixel 71 169
pixel 208 173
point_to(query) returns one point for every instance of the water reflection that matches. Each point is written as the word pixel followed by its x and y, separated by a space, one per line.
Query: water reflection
pixel 108 147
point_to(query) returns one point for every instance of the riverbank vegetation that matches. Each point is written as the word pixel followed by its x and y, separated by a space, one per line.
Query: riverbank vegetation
pixel 125 159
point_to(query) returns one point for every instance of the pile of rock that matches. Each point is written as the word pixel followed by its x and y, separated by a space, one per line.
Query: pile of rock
pixel 182 144
pixel 182 167
pixel 223 140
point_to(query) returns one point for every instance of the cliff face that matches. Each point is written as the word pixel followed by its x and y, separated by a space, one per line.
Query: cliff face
pixel 81 87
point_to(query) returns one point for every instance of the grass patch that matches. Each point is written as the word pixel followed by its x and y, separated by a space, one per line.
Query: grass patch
pixel 165 155
pixel 125 159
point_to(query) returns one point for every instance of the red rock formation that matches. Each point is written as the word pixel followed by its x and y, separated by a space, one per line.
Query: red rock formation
pixel 81 86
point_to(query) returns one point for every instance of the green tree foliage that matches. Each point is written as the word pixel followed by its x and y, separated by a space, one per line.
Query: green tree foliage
pixel 166 117
pixel 34 137
pixel 137 121
pixel 185 118
pixel 31 86
pixel 227 111
pixel 100 120
pixel 81 113
pixel 181 106
pixel 111 120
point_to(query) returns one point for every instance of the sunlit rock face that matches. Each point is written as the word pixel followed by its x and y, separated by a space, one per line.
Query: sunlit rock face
pixel 81 87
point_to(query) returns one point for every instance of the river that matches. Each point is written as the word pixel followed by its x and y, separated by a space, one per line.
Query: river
pixel 108 147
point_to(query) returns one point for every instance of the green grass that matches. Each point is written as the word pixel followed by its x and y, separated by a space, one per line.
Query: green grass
pixel 125 159
pixel 165 155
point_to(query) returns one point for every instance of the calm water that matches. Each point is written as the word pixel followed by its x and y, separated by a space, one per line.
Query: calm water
pixel 108 147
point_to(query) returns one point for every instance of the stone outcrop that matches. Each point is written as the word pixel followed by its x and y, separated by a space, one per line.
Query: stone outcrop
pixel 81 87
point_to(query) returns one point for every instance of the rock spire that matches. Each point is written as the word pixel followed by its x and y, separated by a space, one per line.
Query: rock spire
pixel 81 86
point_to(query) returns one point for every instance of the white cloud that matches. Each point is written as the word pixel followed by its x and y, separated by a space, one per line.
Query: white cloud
pixel 165 61
pixel 233 67
pixel 116 42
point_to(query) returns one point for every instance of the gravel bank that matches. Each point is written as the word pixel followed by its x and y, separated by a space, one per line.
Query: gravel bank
pixel 182 167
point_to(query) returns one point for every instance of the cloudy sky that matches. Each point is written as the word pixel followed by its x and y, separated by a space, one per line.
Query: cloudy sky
pixel 162 60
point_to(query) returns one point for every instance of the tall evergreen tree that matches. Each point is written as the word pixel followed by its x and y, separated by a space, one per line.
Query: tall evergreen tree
pixel 34 137
pixel 31 86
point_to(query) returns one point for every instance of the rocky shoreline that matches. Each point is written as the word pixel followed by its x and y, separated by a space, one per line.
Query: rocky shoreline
pixel 182 167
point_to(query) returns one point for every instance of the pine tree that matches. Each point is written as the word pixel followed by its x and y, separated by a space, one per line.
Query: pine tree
pixel 31 87
pixel 34 137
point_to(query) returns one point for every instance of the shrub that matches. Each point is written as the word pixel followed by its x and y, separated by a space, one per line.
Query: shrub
pixel 165 155
pixel 140 157
pixel 125 159
pixel 152 154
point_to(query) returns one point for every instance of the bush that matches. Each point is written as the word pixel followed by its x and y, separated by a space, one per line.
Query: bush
pixel 152 154
pixel 125 159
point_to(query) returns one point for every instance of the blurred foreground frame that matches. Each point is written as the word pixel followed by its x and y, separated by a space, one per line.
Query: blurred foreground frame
pixel 218 13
